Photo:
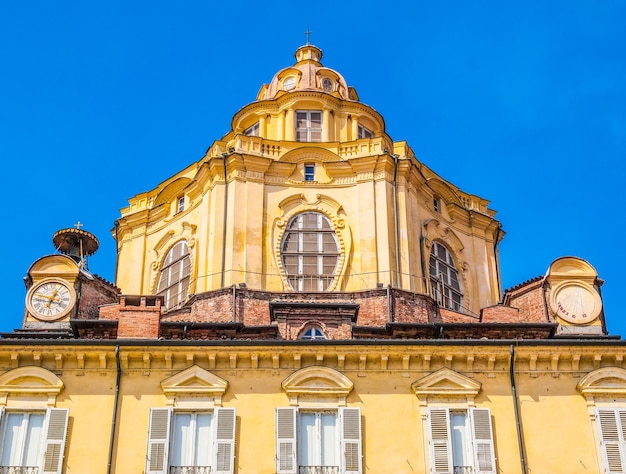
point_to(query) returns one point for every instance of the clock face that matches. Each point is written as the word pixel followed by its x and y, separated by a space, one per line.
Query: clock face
pixel 576 303
pixel 50 300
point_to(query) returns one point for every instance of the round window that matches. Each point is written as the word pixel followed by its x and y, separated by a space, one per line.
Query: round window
pixel 327 84
pixel 290 83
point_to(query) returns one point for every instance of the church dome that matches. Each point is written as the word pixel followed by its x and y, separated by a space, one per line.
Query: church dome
pixel 307 74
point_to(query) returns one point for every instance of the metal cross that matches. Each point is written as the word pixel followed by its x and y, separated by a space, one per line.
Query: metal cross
pixel 308 35
pixel 78 225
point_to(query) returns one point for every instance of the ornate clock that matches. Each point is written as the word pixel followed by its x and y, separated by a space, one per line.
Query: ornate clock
pixel 50 299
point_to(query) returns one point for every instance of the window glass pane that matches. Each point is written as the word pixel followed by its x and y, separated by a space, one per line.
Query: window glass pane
pixel 330 441
pixel 444 278
pixel 203 439
pixel 308 448
pixel 310 265
pixel 11 451
pixel 461 455
pixel 181 451
pixel 32 444
pixel 309 242
pixel 328 243
pixel 316 119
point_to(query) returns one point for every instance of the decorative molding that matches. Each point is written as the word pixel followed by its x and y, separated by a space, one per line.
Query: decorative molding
pixel 315 383
pixel 446 383
pixel 192 385
pixel 29 381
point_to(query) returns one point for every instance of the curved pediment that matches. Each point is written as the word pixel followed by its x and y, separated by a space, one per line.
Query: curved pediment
pixel 317 381
pixel 446 383
pixel 607 381
pixel 37 385
pixel 194 381
pixel 30 379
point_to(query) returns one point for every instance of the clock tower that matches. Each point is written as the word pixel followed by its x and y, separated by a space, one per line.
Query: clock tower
pixel 60 289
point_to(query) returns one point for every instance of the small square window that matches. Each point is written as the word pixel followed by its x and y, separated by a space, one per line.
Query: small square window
pixel 309 172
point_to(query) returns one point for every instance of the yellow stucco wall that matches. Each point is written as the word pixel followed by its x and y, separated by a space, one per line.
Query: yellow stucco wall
pixel 558 431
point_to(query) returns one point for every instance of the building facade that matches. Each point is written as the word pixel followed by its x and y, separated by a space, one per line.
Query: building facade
pixel 308 298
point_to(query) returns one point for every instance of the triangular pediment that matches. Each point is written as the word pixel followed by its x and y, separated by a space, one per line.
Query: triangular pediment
pixel 446 382
pixel 194 380
pixel 317 381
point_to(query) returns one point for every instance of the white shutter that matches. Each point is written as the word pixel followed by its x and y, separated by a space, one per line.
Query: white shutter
pixel 482 439
pixel 350 422
pixel 440 443
pixel 158 440
pixel 286 441
pixel 224 451
pixel 612 427
pixel 54 440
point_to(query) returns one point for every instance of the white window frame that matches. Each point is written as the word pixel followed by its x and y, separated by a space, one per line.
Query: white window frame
pixel 364 132
pixel 445 280
pixel 180 204
pixel 175 275
pixel 52 443
pixel 160 440
pixel 349 441
pixel 310 131
pixel 479 436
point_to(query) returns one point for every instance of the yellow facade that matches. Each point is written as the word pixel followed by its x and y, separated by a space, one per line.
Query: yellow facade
pixel 309 298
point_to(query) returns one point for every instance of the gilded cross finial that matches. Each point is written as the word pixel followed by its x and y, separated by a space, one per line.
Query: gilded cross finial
pixel 308 35
pixel 78 225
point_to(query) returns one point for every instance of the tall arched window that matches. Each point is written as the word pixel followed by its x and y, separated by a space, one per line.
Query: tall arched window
pixel 444 278
pixel 174 279
pixel 310 252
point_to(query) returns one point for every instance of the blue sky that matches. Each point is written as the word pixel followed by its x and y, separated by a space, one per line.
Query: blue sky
pixel 522 103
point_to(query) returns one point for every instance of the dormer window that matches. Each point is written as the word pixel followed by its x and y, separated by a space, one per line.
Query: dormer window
pixel 313 333
pixel 309 125
pixel 364 132
pixel 252 131
pixel 309 172
pixel 180 204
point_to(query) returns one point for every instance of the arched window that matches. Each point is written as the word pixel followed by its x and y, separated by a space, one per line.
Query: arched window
pixel 444 278
pixel 312 333
pixel 174 279
pixel 310 252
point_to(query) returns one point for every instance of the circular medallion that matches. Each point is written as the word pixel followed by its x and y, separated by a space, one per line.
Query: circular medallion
pixel 327 84
pixel 50 299
pixel 576 303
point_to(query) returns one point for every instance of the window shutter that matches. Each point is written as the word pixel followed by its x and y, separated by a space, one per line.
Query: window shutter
pixel 158 440
pixel 224 451
pixel 350 422
pixel 286 441
pixel 440 444
pixel 54 440
pixel 612 430
pixel 482 438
